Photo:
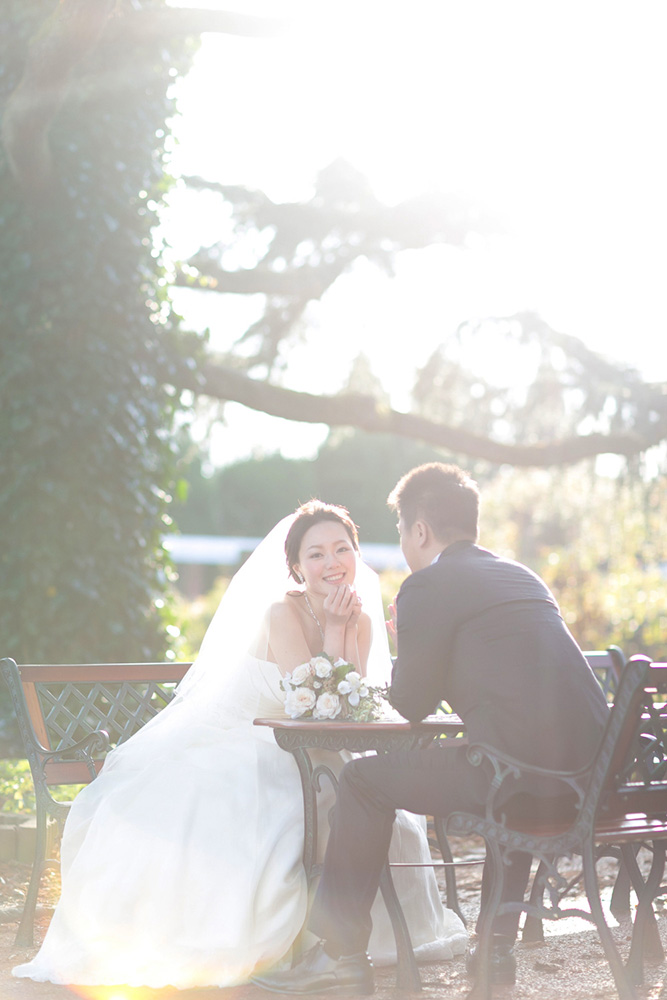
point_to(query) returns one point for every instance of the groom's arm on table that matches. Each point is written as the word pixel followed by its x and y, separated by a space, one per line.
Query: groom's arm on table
pixel 424 639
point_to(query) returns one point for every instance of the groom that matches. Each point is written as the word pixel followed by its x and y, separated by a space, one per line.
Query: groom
pixel 486 635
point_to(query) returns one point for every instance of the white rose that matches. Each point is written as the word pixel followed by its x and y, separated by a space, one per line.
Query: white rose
pixel 298 702
pixel 357 688
pixel 328 706
pixel 344 687
pixel 301 673
pixel 321 666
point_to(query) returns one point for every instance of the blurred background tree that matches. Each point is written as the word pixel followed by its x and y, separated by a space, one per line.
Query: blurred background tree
pixel 598 541
pixel 560 402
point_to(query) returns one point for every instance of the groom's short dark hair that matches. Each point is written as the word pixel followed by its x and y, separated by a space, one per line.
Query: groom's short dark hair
pixel 442 495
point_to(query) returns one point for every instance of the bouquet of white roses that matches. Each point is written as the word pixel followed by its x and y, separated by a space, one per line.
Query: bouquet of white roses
pixel 324 689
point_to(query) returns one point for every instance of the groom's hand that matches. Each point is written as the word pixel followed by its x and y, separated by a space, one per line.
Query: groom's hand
pixel 391 623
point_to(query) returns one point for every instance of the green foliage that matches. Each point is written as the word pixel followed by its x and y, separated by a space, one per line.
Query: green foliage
pixel 359 470
pixel 246 498
pixel 515 379
pixel 599 545
pixel 89 353
pixel 355 469
pixel 17 792
pixel 194 616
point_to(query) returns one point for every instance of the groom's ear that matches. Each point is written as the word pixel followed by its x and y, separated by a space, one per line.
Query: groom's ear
pixel 421 532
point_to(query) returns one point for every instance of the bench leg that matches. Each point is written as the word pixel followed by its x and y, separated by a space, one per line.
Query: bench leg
pixel 645 934
pixel 624 985
pixel 533 928
pixel 25 934
pixel 620 896
pixel 482 988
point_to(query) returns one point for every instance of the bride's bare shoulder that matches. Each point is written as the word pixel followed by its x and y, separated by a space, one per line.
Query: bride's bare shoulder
pixel 285 632
pixel 287 608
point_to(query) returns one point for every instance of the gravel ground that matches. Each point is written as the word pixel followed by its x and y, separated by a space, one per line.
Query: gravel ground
pixel 570 965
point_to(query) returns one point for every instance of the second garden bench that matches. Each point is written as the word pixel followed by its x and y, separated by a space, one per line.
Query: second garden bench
pixel 69 716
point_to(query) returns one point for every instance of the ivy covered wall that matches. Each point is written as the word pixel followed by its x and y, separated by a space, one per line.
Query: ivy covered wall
pixel 89 348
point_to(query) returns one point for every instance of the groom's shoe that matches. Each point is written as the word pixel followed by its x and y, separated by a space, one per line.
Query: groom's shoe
pixel 503 961
pixel 317 972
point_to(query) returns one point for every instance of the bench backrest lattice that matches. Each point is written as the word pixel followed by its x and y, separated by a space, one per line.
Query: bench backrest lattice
pixel 636 780
pixel 607 665
pixel 57 706
pixel 71 710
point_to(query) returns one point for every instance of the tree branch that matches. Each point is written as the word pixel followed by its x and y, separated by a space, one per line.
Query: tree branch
pixel 175 22
pixel 411 224
pixel 365 413
pixel 304 282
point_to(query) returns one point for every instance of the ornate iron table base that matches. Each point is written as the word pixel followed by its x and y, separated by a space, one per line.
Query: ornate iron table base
pixel 299 737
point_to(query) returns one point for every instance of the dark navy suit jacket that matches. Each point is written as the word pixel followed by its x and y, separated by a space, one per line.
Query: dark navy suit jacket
pixel 486 635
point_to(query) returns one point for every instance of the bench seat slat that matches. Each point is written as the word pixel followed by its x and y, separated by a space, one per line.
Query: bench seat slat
pixel 609 831
pixel 72 772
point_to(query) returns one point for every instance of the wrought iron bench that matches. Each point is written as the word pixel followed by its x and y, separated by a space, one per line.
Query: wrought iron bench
pixel 621 803
pixel 607 665
pixel 69 716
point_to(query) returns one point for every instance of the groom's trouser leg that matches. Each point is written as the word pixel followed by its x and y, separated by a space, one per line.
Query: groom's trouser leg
pixel 436 781
pixel 517 875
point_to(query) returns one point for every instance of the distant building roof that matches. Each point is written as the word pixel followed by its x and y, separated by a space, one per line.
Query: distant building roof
pixel 219 550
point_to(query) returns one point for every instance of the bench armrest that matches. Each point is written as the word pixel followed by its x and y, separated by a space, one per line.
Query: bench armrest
pixel 507 769
pixel 82 750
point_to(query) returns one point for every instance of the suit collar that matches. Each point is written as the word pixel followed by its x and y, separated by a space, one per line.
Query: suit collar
pixel 455 547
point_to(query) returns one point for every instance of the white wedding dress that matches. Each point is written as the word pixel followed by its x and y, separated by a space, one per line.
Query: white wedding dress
pixel 182 861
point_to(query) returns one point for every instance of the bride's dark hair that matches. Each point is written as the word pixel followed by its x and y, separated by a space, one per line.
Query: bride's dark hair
pixel 306 516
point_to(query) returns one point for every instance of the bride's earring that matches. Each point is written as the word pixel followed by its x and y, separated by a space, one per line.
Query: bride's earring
pixel 298 576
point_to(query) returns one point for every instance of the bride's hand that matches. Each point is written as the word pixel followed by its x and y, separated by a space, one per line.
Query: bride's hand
pixel 355 614
pixel 340 605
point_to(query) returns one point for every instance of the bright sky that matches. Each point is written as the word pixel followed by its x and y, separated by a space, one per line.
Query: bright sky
pixel 549 115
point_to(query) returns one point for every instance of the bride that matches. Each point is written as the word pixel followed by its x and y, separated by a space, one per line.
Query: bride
pixel 182 861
